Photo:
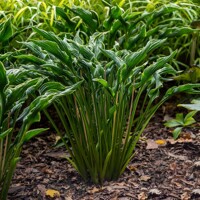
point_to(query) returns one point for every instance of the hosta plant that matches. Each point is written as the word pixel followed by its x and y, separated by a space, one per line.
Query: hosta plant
pixel 105 117
pixel 15 113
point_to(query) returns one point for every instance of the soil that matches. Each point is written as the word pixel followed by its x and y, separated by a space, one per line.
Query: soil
pixel 161 169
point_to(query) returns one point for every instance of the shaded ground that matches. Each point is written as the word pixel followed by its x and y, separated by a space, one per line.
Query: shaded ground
pixel 166 171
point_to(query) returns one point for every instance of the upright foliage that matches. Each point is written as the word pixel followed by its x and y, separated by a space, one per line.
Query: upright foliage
pixel 105 117
pixel 15 89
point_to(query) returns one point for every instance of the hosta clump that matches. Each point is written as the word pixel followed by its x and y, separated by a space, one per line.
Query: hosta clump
pixel 105 117
pixel 15 89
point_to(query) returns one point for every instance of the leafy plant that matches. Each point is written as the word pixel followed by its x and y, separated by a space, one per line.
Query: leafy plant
pixel 105 117
pixel 180 122
pixel 15 90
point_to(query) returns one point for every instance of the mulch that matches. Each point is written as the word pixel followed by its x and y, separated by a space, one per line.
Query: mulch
pixel 167 170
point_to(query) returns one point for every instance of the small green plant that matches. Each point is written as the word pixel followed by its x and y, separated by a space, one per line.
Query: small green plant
pixel 180 122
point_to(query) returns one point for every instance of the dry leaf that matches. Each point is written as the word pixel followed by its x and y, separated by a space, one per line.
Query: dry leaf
pixel 155 191
pixel 145 178
pixel 196 192
pixel 52 193
pixel 132 168
pixel 185 196
pixel 94 190
pixel 142 196
pixel 151 144
pixel 179 157
pixel 173 166
pixel 161 142
pixel 197 165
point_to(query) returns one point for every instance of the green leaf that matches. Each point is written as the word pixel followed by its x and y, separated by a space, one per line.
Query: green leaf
pixel 189 121
pixel 190 114
pixel 31 58
pixel 5 133
pixel 179 117
pixel 87 16
pixel 150 70
pixel 3 77
pixel 54 49
pixel 45 100
pixel 176 132
pixel 32 133
pixel 62 13
pixel 102 81
pixel 6 31
pixel 172 123
pixel 116 12
pixel 195 106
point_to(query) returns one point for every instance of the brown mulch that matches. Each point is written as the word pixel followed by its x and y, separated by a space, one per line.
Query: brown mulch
pixel 166 171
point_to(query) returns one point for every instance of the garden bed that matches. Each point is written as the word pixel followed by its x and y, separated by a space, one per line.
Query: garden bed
pixel 157 171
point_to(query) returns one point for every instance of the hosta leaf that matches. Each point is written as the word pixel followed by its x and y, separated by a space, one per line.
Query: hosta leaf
pixel 20 93
pixel 102 81
pixel 5 133
pixel 83 50
pixel 189 88
pixel 54 49
pixel 175 32
pixel 135 58
pixel 86 16
pixel 3 77
pixel 32 133
pixel 31 58
pixel 133 40
pixel 149 71
pixel 54 38
pixel 62 13
pixel 45 100
pixel 112 55
pixel 116 12
pixel 6 31
pixel 35 49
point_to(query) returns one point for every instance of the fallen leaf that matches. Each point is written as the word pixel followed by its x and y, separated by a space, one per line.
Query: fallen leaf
pixel 179 157
pixel 145 178
pixel 154 191
pixel 151 144
pixel 197 165
pixel 52 193
pixel 161 142
pixel 57 155
pixel 94 190
pixel 173 166
pixel 142 196
pixel 196 192
pixel 185 196
pixel 132 168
